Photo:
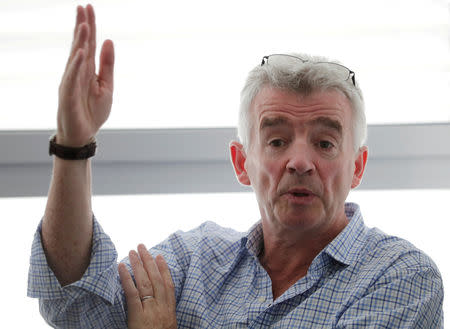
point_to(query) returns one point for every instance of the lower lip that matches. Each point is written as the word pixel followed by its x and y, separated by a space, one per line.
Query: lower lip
pixel 302 200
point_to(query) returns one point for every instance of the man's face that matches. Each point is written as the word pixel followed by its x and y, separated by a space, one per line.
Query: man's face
pixel 301 162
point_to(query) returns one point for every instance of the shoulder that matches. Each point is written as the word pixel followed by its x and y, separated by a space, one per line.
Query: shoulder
pixel 209 233
pixel 392 250
pixel 377 253
pixel 209 240
pixel 393 279
pixel 390 261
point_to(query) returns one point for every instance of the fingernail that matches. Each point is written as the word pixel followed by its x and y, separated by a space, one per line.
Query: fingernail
pixel 132 254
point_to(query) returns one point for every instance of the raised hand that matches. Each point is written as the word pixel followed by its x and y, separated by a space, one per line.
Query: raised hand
pixel 84 105
pixel 85 98
pixel 151 302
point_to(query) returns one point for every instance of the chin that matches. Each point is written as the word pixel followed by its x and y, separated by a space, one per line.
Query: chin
pixel 300 218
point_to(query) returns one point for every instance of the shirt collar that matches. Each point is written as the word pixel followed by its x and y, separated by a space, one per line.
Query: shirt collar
pixel 344 248
pixel 254 240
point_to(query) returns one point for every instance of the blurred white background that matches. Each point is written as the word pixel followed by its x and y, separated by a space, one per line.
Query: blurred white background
pixel 183 63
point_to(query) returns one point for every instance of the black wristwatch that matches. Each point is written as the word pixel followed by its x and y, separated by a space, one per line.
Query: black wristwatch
pixel 71 153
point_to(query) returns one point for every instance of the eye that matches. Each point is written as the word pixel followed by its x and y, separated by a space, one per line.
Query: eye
pixel 326 145
pixel 276 142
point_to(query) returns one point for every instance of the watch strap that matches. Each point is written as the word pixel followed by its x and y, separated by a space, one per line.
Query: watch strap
pixel 71 153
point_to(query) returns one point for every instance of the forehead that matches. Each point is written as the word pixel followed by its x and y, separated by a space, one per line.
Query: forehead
pixel 271 103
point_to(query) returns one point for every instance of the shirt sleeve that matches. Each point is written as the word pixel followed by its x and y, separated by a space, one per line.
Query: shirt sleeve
pixel 400 300
pixel 95 301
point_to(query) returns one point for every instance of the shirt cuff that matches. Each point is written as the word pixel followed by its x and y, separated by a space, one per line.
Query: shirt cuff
pixel 100 278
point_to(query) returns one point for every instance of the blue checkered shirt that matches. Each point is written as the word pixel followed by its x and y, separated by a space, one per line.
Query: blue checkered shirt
pixel 362 279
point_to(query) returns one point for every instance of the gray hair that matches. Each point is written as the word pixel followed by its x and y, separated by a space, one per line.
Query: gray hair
pixel 301 76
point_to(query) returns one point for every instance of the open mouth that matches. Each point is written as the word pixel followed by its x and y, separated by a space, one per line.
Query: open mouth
pixel 300 194
pixel 300 197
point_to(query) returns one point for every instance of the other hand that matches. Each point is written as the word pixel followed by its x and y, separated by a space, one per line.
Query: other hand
pixel 151 302
pixel 85 98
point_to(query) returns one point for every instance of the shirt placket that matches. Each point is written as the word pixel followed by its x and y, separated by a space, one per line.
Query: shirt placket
pixel 263 300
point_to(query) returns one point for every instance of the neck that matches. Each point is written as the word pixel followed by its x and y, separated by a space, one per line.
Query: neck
pixel 287 255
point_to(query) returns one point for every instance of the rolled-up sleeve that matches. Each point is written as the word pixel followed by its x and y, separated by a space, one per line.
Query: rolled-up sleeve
pixel 95 301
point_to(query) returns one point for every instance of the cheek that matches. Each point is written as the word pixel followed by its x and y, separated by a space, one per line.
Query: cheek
pixel 264 175
pixel 335 177
pixel 272 172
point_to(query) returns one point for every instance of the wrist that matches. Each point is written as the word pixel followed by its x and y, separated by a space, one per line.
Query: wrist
pixel 61 150
pixel 62 140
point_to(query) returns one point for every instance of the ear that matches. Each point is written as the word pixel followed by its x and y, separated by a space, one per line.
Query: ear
pixel 360 165
pixel 238 158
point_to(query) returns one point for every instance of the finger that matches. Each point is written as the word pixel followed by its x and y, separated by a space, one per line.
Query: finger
pixel 153 272
pixel 143 283
pixel 81 18
pixel 72 72
pixel 131 293
pixel 92 29
pixel 106 71
pixel 79 41
pixel 167 279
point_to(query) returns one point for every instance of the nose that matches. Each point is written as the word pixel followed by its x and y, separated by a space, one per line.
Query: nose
pixel 300 161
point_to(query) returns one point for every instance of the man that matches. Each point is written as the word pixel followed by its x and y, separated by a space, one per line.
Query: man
pixel 309 263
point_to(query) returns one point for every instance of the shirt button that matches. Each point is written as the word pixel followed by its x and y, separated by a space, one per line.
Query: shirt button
pixel 261 299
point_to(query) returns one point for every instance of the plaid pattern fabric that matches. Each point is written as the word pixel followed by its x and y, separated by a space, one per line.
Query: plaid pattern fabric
pixel 362 279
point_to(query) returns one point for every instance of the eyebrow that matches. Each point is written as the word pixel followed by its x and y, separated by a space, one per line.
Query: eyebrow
pixel 328 123
pixel 320 121
pixel 272 122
